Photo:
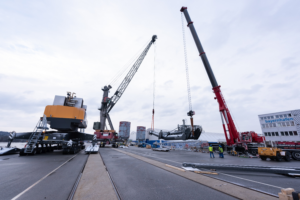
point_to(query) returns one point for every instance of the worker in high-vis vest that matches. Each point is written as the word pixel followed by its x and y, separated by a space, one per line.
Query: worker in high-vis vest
pixel 221 152
pixel 211 151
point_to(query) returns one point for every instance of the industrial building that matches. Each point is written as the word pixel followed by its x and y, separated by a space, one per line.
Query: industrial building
pixel 281 126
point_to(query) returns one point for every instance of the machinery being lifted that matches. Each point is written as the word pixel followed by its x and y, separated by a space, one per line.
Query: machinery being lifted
pixel 111 136
pixel 182 132
pixel 245 141
pixel 67 116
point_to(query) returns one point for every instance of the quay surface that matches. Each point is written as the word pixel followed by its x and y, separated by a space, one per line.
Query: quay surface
pixel 134 173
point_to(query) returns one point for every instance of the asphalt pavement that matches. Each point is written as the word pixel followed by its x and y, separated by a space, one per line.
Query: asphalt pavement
pixel 268 183
pixel 135 180
pixel 19 173
pixel 52 175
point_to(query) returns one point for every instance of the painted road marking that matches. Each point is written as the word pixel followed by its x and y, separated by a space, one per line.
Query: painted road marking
pixel 12 164
pixel 16 197
pixel 224 174
pixel 252 181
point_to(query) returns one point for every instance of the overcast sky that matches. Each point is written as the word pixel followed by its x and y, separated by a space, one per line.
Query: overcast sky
pixel 50 47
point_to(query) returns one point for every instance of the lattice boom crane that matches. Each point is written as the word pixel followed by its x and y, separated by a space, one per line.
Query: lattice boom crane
pixel 109 102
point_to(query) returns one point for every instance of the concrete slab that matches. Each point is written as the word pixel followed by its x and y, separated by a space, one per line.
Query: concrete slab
pixel 18 173
pixel 227 188
pixel 135 179
pixel 269 183
pixel 95 182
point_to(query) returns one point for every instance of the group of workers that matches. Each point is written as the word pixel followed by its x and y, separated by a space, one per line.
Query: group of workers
pixel 211 151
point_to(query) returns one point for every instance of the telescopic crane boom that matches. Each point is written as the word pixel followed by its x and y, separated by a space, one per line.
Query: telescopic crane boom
pixel 233 136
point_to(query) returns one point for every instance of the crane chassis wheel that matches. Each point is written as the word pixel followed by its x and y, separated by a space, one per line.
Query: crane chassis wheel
pixel 287 156
pixel 278 157
pixel 296 155
pixel 263 157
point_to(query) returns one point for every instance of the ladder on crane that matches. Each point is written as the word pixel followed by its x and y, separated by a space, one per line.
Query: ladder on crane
pixel 36 134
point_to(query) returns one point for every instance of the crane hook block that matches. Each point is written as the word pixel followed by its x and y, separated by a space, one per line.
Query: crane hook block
pixel 191 113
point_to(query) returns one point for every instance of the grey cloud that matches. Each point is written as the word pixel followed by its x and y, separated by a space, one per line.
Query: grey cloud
pixel 289 63
pixel 75 33
pixel 22 103
pixel 279 85
pixel 254 89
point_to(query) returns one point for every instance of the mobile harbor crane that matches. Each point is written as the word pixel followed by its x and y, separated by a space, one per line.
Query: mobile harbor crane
pixel 110 136
pixel 243 142
pixel 67 119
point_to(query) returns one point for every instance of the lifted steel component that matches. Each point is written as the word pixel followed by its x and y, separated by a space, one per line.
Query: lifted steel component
pixel 182 132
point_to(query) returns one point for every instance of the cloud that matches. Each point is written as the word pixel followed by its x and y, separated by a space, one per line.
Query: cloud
pixel 251 46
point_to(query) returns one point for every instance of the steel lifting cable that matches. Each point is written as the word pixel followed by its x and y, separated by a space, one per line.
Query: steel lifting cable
pixel 126 66
pixel 152 123
pixel 190 113
pixel 186 65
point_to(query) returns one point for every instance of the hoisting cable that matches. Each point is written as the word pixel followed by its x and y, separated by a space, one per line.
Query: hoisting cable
pixel 191 112
pixel 152 123
pixel 127 66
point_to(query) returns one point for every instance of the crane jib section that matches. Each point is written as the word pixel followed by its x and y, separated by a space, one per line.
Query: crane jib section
pixel 115 98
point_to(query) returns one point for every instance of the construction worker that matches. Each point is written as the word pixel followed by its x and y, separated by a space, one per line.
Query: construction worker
pixel 221 152
pixel 211 151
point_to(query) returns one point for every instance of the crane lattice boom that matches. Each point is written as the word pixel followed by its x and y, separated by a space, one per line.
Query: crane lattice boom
pixel 108 103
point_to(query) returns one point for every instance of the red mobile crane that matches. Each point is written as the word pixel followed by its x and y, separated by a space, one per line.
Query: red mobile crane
pixel 245 141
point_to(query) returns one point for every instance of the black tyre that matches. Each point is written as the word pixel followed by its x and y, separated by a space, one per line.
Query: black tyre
pixel 278 157
pixel 263 157
pixel 253 152
pixel 296 155
pixel 272 158
pixel 38 151
pixel 22 153
pixel 287 156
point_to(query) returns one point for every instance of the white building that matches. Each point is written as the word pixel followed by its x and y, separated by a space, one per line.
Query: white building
pixel 281 126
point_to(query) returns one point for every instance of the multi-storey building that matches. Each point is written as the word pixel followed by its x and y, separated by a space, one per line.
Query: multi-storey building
pixel 281 126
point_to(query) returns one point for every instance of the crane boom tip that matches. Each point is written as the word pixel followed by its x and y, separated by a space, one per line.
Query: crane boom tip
pixel 183 8
pixel 154 37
